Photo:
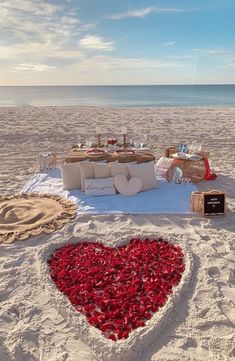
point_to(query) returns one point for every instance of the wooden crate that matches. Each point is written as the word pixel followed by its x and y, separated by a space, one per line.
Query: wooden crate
pixel 208 204
pixel 192 169
pixel 196 201
pixel 172 150
pixel 214 203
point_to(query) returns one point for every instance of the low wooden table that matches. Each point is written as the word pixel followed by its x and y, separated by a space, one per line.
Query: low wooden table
pixel 139 156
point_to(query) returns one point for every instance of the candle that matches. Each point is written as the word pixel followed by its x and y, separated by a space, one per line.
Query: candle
pixel 123 130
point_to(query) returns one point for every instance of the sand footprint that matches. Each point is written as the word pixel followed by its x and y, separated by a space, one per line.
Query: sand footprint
pixel 228 311
pixel 213 272
pixel 203 312
pixel 188 342
pixel 16 262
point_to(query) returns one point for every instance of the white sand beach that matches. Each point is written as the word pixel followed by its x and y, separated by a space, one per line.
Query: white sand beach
pixel 33 324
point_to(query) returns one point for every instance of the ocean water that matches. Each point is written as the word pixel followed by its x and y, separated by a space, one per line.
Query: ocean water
pixel 119 96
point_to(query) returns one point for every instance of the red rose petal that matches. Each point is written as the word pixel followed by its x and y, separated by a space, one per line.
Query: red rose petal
pixel 118 289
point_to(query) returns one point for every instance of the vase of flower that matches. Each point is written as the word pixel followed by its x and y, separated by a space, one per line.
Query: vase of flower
pixel 112 144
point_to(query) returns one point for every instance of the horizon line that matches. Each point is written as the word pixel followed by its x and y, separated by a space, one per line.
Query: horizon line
pixel 92 85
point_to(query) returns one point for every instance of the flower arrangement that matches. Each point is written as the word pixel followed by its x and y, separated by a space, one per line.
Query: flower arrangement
pixel 111 141
pixel 117 289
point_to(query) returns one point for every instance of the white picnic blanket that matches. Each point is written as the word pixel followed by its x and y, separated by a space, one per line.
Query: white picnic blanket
pixel 168 199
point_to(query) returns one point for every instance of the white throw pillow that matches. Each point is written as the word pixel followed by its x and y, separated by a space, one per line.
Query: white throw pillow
pixel 102 170
pixel 71 175
pixel 119 168
pixel 128 187
pixel 164 162
pixel 146 171
pixel 87 171
pixel 99 187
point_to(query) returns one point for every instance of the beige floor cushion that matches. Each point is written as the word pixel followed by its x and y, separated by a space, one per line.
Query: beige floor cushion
pixel 100 187
pixel 146 171
pixel 102 170
pixel 128 187
pixel 71 175
pixel 87 171
pixel 119 168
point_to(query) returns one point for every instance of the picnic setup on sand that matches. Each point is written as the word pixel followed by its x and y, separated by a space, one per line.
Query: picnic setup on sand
pixel 125 180
pixel 123 293
pixel 111 177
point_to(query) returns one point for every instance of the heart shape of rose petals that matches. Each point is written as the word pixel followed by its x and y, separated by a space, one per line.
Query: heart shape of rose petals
pixel 118 289
pixel 127 187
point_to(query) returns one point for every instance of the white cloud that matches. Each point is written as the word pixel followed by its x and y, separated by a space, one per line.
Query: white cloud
pixel 169 43
pixel 216 52
pixel 29 67
pixel 88 26
pixel 95 42
pixel 39 8
pixel 119 70
pixel 34 31
pixel 114 70
pixel 180 57
pixel 213 52
pixel 140 13
pixel 39 52
pixel 220 57
pixel 98 70
pixel 230 65
pixel 137 63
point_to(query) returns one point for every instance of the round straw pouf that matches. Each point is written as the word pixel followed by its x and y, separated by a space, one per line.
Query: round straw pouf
pixel 30 214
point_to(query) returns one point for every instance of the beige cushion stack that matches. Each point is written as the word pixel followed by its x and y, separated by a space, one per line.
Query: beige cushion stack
pixel 87 171
pixel 128 178
pixel 146 171
pixel 71 175
pixel 102 170
pixel 119 168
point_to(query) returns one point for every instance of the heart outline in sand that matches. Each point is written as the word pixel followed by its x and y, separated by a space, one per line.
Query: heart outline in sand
pixel 139 339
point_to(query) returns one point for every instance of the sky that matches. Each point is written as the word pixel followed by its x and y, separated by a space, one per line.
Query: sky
pixel 110 42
